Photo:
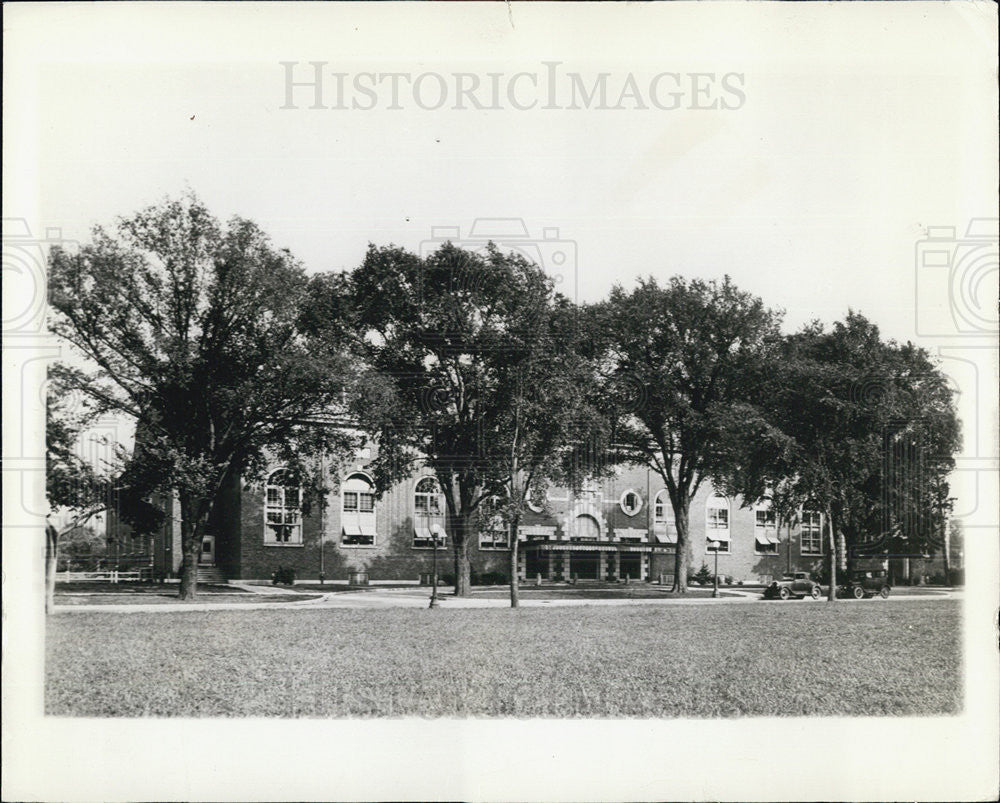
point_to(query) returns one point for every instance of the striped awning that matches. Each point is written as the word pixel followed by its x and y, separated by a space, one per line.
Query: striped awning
pixel 630 532
pixel 605 547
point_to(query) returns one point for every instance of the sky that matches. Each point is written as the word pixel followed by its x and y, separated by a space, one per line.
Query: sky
pixel 847 143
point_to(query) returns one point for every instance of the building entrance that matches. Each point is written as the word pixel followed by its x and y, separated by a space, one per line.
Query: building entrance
pixel 584 565
pixel 631 565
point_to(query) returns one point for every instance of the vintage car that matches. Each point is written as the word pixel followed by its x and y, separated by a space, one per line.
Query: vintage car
pixel 866 583
pixel 797 584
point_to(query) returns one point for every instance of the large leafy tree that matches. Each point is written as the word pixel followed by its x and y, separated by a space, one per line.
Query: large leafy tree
pixel 679 362
pixel 455 345
pixel 192 328
pixel 862 429
pixel 549 428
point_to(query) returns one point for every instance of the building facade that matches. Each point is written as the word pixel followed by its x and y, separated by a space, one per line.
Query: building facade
pixel 617 528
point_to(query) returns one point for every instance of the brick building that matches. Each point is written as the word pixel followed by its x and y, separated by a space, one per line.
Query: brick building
pixel 618 526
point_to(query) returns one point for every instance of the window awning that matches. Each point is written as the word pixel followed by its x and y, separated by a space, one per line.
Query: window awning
pixel 536 530
pixel 766 538
pixel 424 533
pixel 665 535
pixel 717 535
pixel 367 525
pixel 352 528
pixel 562 546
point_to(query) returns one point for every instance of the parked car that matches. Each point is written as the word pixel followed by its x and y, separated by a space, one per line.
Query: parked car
pixel 797 584
pixel 867 583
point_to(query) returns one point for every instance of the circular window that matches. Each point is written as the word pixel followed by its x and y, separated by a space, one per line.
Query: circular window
pixel 631 502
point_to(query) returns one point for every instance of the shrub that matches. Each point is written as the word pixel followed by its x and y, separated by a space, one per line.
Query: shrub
pixel 283 575
pixel 703 576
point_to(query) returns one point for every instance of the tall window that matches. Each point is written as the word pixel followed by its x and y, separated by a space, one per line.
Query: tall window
pixel 358 511
pixel 428 513
pixel 717 523
pixel 493 529
pixel 811 533
pixel 765 531
pixel 664 525
pixel 282 509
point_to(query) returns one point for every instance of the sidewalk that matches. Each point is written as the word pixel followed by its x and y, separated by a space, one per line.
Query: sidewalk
pixel 419 597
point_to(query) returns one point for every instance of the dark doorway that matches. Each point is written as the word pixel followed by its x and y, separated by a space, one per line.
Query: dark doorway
pixel 631 565
pixel 584 565
pixel 536 563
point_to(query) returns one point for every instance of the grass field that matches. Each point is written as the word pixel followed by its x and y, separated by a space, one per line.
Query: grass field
pixel 898 658
pixel 156 594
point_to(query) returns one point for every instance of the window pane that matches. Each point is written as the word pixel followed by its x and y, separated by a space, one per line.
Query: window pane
pixel 366 502
pixel 350 501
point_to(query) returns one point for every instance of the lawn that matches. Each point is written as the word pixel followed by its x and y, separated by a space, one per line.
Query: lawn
pixel 899 658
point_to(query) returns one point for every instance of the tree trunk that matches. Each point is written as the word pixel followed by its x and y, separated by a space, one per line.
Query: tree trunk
pixel 463 568
pixel 681 557
pixel 51 556
pixel 515 599
pixel 832 594
pixel 946 554
pixel 190 549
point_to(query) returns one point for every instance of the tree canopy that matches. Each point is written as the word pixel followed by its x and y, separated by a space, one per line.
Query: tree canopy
pixel 193 329
pixel 678 362
pixel 461 349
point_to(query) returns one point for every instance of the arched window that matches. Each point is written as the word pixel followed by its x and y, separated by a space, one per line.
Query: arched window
pixel 428 513
pixel 811 533
pixel 717 523
pixel 765 530
pixel 664 524
pixel 586 528
pixel 630 502
pixel 282 509
pixel 357 500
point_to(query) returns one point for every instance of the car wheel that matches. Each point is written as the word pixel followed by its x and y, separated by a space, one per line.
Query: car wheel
pixel 784 593
pixel 815 592
pixel 884 593
pixel 859 592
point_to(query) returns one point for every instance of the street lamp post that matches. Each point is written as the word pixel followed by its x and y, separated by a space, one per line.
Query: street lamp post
pixel 715 549
pixel 435 535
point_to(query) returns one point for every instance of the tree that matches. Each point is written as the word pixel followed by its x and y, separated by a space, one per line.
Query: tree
pixel 862 429
pixel 192 328
pixel 453 342
pixel 549 427
pixel 678 365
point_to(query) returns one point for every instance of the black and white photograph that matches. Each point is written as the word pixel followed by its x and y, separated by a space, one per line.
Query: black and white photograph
pixel 501 401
